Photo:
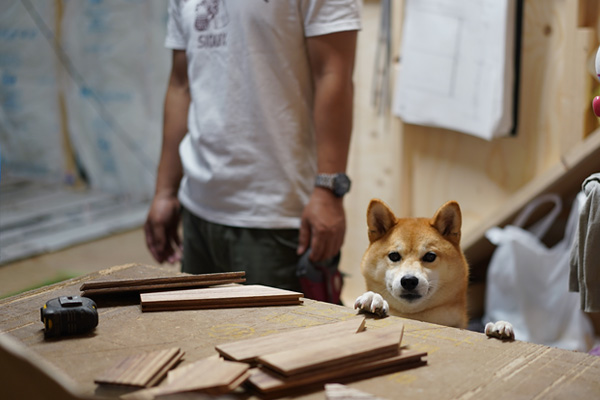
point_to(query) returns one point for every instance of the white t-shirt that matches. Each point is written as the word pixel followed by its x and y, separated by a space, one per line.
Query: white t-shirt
pixel 249 156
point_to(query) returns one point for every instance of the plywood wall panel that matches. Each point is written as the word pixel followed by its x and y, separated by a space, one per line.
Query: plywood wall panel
pixel 482 175
pixel 415 169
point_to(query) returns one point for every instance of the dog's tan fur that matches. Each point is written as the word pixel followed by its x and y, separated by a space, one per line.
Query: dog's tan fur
pixel 427 254
pixel 442 282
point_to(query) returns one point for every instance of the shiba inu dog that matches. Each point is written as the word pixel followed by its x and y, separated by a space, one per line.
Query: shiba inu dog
pixel 415 268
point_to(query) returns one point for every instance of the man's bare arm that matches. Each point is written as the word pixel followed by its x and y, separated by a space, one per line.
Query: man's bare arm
pixel 162 237
pixel 332 65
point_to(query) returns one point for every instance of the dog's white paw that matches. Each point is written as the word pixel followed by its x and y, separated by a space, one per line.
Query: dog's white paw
pixel 501 330
pixel 373 303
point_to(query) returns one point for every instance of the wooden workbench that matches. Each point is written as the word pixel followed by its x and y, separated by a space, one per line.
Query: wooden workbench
pixel 460 364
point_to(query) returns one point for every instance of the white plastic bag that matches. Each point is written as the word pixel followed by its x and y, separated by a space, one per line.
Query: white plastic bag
pixel 528 283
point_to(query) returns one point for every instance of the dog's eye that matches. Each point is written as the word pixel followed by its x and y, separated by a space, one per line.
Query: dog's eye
pixel 394 256
pixel 429 257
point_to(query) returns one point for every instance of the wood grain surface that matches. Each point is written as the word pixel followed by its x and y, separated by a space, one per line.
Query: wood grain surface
pixel 219 297
pixel 143 370
pixel 249 350
pixel 336 352
pixel 143 285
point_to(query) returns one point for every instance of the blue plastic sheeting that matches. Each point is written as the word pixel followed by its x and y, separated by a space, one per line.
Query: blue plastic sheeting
pixel 106 63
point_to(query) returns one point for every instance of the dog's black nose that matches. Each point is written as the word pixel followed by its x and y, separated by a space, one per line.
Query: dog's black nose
pixel 409 282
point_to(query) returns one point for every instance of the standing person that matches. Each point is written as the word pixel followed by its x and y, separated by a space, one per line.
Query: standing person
pixel 257 124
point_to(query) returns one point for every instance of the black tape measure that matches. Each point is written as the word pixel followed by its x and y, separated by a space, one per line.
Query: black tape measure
pixel 69 315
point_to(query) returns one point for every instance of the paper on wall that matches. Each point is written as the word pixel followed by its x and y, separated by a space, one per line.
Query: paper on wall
pixel 457 67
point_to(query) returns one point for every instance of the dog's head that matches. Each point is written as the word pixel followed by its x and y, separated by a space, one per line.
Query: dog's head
pixel 415 263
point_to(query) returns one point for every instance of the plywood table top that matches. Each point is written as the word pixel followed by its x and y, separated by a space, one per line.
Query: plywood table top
pixel 460 363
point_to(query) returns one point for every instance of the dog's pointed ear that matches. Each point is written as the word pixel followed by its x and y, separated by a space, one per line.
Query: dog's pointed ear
pixel 380 219
pixel 447 220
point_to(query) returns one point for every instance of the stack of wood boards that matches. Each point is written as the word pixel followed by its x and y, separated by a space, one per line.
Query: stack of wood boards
pixel 347 358
pixel 102 287
pixel 303 358
pixel 320 354
pixel 219 297
pixel 217 376
pixel 249 350
pixel 142 370
pixel 212 375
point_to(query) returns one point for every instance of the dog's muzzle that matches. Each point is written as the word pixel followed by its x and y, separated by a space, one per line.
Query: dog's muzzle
pixel 409 283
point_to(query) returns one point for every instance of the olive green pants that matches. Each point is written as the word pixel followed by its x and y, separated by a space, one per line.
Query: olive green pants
pixel 268 256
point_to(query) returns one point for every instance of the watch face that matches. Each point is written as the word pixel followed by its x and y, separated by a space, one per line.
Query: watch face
pixel 341 185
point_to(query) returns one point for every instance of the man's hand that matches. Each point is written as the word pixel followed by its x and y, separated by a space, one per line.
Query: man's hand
pixel 323 226
pixel 162 236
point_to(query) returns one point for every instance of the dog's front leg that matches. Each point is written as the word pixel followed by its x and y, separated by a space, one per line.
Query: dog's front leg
pixel 502 330
pixel 373 303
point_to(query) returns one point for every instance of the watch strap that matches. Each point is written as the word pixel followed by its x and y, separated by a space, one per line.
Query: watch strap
pixel 325 180
pixel 338 183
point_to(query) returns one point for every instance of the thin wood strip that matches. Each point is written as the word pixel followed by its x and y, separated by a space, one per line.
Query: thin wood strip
pixel 113 374
pixel 159 287
pixel 135 371
pixel 141 370
pixel 160 374
pixel 236 383
pixel 266 381
pixel 364 346
pixel 101 284
pixel 249 350
pixel 146 369
pixel 120 373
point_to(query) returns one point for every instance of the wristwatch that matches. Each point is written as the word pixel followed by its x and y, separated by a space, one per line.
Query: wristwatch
pixel 338 183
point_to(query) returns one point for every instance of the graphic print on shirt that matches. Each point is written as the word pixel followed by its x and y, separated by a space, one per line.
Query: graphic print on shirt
pixel 211 17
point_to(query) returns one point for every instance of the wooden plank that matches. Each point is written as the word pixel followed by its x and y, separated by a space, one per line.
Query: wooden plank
pixel 158 287
pixel 249 350
pixel 142 370
pixel 218 305
pixel 336 352
pixel 267 382
pixel 162 372
pixel 220 293
pixel 219 297
pixel 210 375
pixel 160 284
pixel 104 283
